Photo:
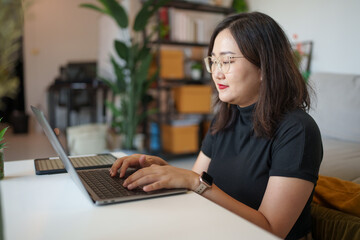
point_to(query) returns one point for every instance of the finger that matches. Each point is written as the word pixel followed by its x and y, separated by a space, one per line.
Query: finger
pixel 136 175
pixel 154 170
pixel 153 186
pixel 130 161
pixel 117 164
pixel 144 180
pixel 57 131
pixel 142 160
pixel 124 167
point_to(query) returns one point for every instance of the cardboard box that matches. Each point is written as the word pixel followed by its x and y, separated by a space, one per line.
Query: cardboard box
pixel 180 139
pixel 193 99
pixel 171 64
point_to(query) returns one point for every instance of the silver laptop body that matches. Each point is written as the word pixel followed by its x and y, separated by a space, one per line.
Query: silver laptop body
pixel 83 178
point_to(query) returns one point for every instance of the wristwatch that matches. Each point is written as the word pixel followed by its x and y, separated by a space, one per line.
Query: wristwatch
pixel 206 182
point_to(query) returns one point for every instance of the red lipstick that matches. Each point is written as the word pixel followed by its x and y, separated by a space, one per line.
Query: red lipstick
pixel 222 86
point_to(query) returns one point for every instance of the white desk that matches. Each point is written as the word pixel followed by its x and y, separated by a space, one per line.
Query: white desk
pixel 52 207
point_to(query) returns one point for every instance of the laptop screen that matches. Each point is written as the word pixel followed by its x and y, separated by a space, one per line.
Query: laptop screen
pixel 58 148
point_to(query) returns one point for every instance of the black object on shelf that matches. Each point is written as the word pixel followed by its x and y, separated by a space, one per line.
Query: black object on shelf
pixel 19 121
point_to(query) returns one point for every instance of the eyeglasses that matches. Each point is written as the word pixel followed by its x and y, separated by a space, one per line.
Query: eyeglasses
pixel 223 64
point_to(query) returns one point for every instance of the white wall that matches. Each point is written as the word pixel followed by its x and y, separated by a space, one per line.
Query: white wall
pixel 55 33
pixel 333 25
pixel 108 32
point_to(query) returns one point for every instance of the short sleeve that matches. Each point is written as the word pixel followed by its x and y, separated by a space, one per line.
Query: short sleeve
pixel 207 143
pixel 297 148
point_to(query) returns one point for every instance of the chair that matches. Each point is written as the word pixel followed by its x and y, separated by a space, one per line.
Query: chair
pixel 76 89
pixel 86 139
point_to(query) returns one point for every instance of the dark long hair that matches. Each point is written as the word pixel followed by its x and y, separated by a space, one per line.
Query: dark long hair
pixel 263 43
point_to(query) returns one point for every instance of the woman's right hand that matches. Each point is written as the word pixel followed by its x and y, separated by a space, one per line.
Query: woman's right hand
pixel 135 161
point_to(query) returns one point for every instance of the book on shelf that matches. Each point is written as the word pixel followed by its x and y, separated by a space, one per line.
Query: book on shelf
pixel 187 26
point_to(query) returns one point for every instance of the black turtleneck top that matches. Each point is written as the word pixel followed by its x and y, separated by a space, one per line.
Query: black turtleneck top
pixel 242 163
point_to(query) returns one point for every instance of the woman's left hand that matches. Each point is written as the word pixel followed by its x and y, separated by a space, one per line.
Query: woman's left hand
pixel 157 177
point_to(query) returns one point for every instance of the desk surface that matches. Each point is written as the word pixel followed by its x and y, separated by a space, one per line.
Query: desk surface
pixel 52 207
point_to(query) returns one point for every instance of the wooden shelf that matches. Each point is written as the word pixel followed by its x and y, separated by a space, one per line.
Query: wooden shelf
pixel 162 91
pixel 199 7
pixel 176 43
pixel 179 82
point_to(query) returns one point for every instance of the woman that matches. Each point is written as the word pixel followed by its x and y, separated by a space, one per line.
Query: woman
pixel 263 151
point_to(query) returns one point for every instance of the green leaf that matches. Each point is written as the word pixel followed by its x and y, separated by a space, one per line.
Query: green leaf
pixel 93 7
pixel 145 114
pixel 115 111
pixel 132 54
pixel 2 132
pixel 122 50
pixel 143 52
pixel 146 12
pixel 142 18
pixel 110 84
pixel 2 145
pixel 117 12
pixel 151 80
pixel 143 70
pixel 120 78
pixel 141 75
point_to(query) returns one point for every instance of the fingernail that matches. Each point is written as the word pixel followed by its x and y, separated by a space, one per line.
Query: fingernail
pixel 130 186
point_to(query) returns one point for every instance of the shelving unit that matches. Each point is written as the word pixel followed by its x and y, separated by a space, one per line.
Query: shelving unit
pixel 165 86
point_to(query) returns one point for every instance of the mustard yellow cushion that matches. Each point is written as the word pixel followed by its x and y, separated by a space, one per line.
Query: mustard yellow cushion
pixel 338 194
pixel 330 224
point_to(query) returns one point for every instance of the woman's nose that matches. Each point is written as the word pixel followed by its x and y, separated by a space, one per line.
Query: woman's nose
pixel 218 74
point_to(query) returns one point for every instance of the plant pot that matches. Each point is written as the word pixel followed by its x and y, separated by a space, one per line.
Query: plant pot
pixel 196 74
pixel 114 140
pixel 1 163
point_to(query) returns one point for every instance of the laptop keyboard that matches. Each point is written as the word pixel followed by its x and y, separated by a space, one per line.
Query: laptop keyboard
pixel 78 162
pixel 105 186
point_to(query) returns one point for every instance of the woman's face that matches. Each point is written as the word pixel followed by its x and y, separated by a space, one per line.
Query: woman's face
pixel 240 85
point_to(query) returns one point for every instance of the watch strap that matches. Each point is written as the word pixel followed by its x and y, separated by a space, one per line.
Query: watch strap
pixel 201 188
pixel 205 183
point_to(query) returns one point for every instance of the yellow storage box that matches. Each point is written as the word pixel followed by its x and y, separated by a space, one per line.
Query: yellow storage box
pixel 171 64
pixel 193 99
pixel 180 139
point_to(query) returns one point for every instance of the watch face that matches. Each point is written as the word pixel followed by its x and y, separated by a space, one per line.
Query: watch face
pixel 207 178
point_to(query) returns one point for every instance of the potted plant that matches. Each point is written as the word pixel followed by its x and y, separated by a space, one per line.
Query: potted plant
pixel 196 70
pixel 2 145
pixel 10 39
pixel 131 84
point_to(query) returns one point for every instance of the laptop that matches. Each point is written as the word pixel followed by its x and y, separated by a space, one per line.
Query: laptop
pixel 97 184
pixel 54 165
